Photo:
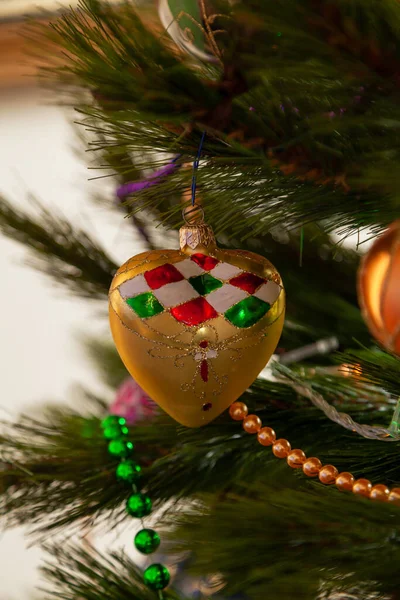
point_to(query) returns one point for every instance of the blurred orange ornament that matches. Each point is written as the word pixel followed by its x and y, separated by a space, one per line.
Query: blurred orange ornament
pixel 379 288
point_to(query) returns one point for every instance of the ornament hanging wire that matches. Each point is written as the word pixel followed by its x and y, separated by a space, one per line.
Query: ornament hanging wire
pixel 372 432
pixel 195 168
pixel 195 213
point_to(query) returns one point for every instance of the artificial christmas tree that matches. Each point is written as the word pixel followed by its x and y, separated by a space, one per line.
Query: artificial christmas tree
pixel 296 115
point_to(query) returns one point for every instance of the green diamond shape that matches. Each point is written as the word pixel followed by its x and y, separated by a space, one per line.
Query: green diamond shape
pixel 204 284
pixel 247 312
pixel 145 305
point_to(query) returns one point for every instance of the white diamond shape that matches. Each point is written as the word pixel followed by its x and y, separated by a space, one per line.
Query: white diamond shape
pixel 189 268
pixel 176 293
pixel 268 292
pixel 225 271
pixel 225 297
pixel 133 287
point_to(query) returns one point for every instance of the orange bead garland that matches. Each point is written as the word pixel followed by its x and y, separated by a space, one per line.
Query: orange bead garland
pixel 266 436
pixel 394 496
pixel 296 459
pixel 281 448
pixel 238 411
pixel 312 467
pixel 362 487
pixel 328 474
pixel 380 493
pixel 252 424
pixel 344 481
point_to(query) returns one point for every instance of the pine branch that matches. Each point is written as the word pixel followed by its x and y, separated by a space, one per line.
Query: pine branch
pixel 74 572
pixel 66 254
pixel 292 541
pixel 154 99
pixel 41 458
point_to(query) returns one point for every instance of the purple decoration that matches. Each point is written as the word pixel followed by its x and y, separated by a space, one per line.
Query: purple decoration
pixel 251 108
pixel 153 179
pixel 132 402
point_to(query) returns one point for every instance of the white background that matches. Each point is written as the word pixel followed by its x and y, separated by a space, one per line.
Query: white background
pixel 41 324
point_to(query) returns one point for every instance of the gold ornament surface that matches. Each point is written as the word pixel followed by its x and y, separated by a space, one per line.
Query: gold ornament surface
pixel 379 288
pixel 195 326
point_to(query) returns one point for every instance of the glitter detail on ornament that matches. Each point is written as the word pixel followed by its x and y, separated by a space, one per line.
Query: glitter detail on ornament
pixel 247 312
pixel 204 284
pixel 145 305
pixel 247 282
pixel 162 275
pixel 204 370
pixel 194 312
pixel 207 406
pixel 205 262
pixel 203 355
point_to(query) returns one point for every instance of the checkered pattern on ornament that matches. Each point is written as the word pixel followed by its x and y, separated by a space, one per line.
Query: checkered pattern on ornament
pixel 198 289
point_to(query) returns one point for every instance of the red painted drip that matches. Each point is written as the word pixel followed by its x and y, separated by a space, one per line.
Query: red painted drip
pixel 204 370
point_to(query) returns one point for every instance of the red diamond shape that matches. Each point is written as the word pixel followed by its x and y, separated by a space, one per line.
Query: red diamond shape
pixel 194 312
pixel 160 276
pixel 205 262
pixel 247 282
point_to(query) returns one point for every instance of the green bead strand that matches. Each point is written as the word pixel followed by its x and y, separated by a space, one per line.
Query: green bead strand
pixel 147 541
pixel 128 471
pixel 138 505
pixel 156 577
pixel 113 432
pixel 113 420
pixel 120 448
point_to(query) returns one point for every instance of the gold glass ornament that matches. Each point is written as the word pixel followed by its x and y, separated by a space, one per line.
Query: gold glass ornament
pixel 379 288
pixel 195 326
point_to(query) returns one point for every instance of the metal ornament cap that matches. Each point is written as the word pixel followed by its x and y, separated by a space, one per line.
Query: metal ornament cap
pixel 190 346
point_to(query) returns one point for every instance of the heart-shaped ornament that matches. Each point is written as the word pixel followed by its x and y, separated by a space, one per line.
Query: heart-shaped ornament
pixel 195 326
